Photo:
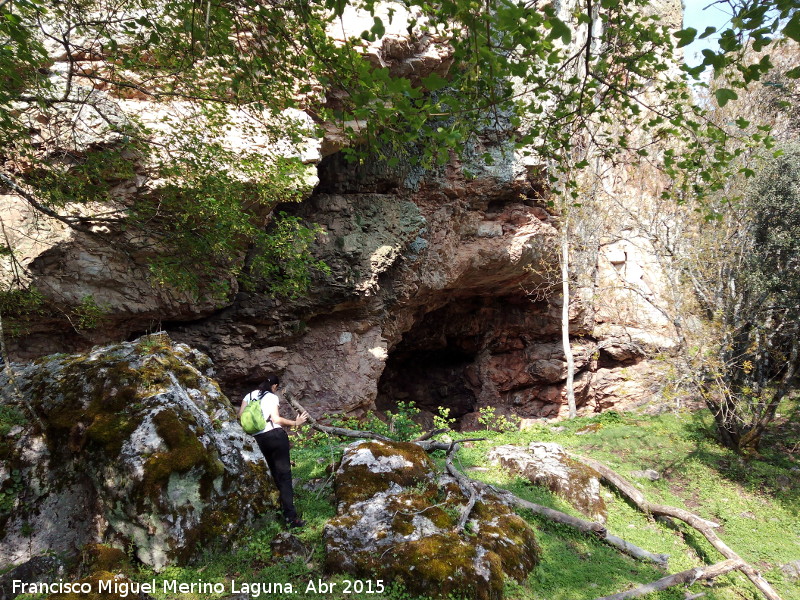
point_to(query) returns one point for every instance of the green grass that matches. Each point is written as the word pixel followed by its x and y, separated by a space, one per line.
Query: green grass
pixel 757 504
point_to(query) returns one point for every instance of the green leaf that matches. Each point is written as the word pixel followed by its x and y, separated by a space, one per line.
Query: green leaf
pixel 724 95
pixel 707 32
pixel 377 28
pixel 792 28
pixel 793 73
pixel 433 82
pixel 685 36
pixel 337 6
pixel 560 30
pixel 742 123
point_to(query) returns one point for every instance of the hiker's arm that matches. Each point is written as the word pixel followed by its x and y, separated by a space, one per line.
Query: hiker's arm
pixel 242 406
pixel 279 420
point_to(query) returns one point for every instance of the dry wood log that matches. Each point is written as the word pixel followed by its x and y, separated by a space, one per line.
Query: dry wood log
pixel 687 577
pixel 467 486
pixel 702 525
pixel 589 527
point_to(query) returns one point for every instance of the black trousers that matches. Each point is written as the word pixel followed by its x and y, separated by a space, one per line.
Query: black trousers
pixel 274 445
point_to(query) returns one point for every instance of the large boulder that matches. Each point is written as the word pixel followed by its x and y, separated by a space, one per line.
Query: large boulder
pixel 548 464
pixel 396 519
pixel 131 445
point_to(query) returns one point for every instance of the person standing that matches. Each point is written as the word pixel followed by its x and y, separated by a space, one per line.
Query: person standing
pixel 273 442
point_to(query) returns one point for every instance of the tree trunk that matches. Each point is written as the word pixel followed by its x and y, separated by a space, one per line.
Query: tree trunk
pixel 570 384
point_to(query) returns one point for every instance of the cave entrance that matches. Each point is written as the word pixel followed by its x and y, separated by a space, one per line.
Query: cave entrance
pixel 436 363
pixel 430 378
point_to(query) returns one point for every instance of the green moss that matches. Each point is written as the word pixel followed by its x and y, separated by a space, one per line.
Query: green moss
pixel 184 452
pixel 513 541
pixel 111 430
pixel 358 483
pixel 440 565
pixel 99 557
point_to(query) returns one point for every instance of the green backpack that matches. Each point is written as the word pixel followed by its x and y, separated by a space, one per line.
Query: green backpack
pixel 252 418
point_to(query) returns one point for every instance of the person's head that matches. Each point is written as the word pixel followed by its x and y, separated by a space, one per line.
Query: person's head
pixel 270 384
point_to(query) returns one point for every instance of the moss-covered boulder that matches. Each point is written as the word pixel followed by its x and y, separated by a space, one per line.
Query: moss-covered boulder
pixel 133 446
pixel 548 464
pixel 396 519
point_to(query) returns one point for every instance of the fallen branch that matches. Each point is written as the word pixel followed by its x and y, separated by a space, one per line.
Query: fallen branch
pixel 467 486
pixel 687 577
pixel 342 431
pixel 588 527
pixel 702 525
pixel 426 444
pixel 429 434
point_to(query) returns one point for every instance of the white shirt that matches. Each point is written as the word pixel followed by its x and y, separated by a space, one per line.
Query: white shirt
pixel 269 402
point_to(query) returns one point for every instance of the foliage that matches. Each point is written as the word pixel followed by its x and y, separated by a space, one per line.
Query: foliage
pixel 9 417
pixel 283 256
pixel 401 424
pixel 10 491
pixel 88 314
pixel 18 306
pixel 204 204
pixel 494 422
pixel 443 420
pixel 524 76
pixel 747 286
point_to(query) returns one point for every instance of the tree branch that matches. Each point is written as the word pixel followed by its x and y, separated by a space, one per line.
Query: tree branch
pixel 467 486
pixel 703 526
pixel 588 527
pixel 687 577
pixel 82 224
pixel 342 431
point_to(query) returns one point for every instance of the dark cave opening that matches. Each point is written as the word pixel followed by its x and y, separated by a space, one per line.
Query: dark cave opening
pixel 430 378
pixel 475 352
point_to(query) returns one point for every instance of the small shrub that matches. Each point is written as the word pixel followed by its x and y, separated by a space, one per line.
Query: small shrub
pixel 494 422
pixel 443 420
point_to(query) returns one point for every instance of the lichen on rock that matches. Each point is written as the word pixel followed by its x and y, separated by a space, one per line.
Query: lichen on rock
pixel 547 464
pixel 396 519
pixel 139 449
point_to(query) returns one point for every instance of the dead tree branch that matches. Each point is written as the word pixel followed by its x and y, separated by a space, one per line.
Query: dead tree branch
pixel 467 486
pixel 343 431
pixel 703 526
pixel 426 444
pixel 429 434
pixel 687 577
pixel 588 527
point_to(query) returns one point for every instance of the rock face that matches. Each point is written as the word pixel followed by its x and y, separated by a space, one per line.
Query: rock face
pixel 133 445
pixel 548 465
pixel 395 520
pixel 440 289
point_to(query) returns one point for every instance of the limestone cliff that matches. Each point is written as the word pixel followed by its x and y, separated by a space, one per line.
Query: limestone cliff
pixel 440 289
